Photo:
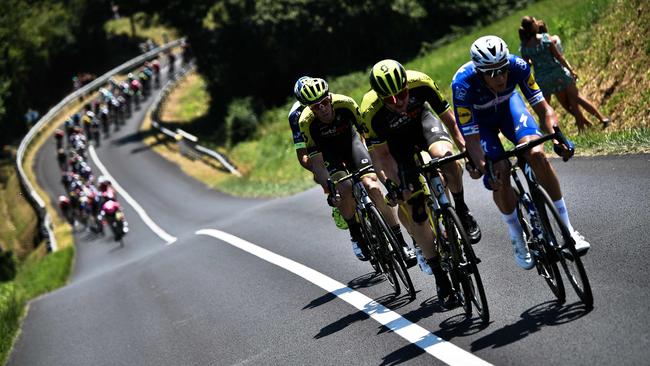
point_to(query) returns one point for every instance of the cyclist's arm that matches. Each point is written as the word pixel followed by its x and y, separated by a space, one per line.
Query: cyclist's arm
pixel 303 158
pixel 546 114
pixel 318 169
pixel 449 120
pixel 473 146
pixel 384 163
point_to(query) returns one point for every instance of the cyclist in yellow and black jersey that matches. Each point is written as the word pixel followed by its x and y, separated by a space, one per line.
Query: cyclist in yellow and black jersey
pixel 402 117
pixel 329 127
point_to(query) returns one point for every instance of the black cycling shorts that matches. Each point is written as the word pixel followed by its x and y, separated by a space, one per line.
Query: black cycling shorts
pixel 404 151
pixel 347 157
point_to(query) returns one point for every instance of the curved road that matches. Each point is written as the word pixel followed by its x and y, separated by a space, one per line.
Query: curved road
pixel 286 288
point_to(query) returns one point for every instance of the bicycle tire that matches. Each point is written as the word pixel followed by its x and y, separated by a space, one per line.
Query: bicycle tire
pixel 397 264
pixel 371 241
pixel 466 268
pixel 573 266
pixel 546 265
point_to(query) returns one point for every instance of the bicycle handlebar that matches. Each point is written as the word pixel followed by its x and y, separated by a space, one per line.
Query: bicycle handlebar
pixel 522 148
pixel 354 175
pixel 331 185
pixel 439 162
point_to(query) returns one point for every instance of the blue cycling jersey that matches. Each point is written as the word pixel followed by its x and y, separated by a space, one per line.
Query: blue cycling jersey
pixel 294 117
pixel 479 110
pixel 475 104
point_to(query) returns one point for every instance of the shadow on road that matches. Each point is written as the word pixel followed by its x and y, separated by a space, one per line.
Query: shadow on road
pixel 363 281
pixel 549 313
pixel 130 138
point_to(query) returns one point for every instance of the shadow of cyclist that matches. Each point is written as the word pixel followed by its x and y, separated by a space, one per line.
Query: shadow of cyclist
pixel 545 314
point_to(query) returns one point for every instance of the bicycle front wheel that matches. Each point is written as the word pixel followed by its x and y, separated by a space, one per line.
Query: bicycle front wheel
pixel 394 252
pixel 371 242
pixel 465 260
pixel 559 238
pixel 546 260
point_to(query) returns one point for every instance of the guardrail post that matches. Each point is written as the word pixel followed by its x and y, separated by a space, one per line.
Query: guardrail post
pixel 187 143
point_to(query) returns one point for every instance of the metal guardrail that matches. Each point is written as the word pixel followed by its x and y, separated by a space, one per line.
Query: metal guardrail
pixel 45 221
pixel 188 143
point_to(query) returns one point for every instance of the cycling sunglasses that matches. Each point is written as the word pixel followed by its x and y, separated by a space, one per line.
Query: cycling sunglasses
pixel 496 72
pixel 394 98
pixel 323 104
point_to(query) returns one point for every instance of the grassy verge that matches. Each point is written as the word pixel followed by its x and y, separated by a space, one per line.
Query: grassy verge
pixel 143 29
pixel 598 35
pixel 37 274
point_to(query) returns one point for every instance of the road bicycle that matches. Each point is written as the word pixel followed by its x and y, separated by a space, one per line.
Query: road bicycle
pixel 457 257
pixel 548 238
pixel 387 258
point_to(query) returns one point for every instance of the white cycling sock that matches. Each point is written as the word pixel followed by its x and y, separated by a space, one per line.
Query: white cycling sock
pixel 564 213
pixel 514 227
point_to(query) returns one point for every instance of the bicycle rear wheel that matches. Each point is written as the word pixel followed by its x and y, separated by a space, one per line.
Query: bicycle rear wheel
pixel 394 253
pixel 546 260
pixel 559 239
pixel 473 292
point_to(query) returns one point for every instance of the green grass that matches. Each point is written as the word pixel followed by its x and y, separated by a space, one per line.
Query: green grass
pixel 18 224
pixel 268 161
pixel 35 277
pixel 143 30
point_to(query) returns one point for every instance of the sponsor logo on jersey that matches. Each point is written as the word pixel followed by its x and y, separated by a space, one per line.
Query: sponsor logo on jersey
pixel 522 64
pixel 464 115
pixel 532 84
pixel 461 93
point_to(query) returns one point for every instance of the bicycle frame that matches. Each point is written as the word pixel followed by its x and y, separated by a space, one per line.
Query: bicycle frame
pixel 386 256
pixel 438 199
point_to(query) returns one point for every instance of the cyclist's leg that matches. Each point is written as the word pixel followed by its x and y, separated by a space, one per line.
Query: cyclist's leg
pixel 346 205
pixel 335 164
pixel 503 193
pixel 360 158
pixel 439 144
pixel 543 169
pixel 525 128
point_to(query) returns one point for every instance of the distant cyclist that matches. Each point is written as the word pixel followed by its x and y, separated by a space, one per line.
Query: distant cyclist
pixel 486 103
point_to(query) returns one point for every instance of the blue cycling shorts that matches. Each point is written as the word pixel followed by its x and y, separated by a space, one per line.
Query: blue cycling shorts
pixel 511 119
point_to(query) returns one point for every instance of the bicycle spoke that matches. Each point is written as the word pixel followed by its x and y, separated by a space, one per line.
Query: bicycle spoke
pixel 559 238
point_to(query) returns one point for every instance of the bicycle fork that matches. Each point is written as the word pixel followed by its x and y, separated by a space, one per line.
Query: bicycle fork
pixel 535 221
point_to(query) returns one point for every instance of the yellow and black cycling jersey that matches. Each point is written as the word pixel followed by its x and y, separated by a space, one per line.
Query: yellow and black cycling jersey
pixel 379 124
pixel 319 135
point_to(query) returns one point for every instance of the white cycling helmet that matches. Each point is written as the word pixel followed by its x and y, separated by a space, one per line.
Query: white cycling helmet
pixel 489 53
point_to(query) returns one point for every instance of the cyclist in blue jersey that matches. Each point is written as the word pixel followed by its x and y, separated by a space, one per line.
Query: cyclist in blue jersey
pixel 486 104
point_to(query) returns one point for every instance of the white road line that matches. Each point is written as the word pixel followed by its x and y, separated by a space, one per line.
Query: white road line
pixel 169 239
pixel 430 343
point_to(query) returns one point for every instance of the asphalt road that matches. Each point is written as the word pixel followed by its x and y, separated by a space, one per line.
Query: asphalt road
pixel 206 301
